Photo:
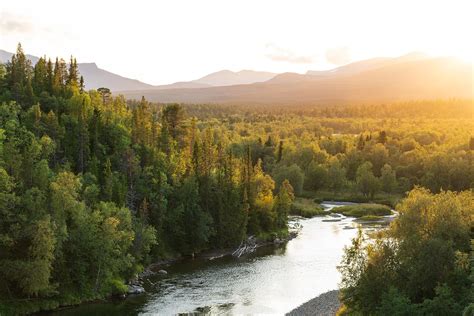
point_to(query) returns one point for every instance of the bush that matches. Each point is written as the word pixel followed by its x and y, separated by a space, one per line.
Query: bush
pixel 118 287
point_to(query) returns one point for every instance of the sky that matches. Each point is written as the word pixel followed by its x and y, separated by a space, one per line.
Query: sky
pixel 161 42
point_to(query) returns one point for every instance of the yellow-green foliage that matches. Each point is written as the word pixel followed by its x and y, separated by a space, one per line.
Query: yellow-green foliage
pixel 419 265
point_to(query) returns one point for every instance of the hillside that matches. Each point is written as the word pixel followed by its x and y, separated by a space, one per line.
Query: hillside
pixel 417 79
pixel 229 78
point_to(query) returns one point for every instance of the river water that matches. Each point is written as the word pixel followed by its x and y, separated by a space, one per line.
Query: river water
pixel 273 280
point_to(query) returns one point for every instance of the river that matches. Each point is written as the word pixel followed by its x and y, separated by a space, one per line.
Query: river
pixel 273 280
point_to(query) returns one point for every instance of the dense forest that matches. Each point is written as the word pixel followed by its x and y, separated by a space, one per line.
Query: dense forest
pixel 94 187
pixel 91 187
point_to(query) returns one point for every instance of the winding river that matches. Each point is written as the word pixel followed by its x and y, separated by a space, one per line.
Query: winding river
pixel 273 280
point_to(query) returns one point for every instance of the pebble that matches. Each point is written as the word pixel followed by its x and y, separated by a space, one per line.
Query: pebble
pixel 325 304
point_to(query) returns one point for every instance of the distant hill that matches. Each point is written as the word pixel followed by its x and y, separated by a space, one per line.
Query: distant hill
pixel 6 56
pixel 419 78
pixel 347 70
pixel 230 78
pixel 94 76
pixel 369 64
pixel 182 85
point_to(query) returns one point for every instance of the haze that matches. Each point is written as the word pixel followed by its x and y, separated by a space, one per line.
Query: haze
pixel 163 42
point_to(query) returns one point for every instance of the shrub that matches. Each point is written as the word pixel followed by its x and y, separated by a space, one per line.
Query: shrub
pixel 118 286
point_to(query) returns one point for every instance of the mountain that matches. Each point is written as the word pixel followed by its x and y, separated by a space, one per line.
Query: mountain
pixel 412 76
pixel 369 64
pixel 405 79
pixel 6 56
pixel 230 78
pixel 347 70
pixel 182 85
pixel 94 76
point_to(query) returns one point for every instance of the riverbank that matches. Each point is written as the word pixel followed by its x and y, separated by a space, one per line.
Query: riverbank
pixel 351 197
pixel 219 253
pixel 250 245
pixel 249 285
pixel 325 304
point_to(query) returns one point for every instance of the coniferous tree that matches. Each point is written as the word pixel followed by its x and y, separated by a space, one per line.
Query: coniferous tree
pixel 40 79
pixel 81 84
pixel 280 151
pixel 73 74
pixel 49 77
pixel 382 137
pixel 19 76
pixel 283 203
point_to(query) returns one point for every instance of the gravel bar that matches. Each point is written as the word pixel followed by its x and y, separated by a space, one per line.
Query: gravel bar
pixel 325 304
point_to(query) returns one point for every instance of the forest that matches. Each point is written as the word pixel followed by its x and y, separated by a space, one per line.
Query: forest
pixel 94 187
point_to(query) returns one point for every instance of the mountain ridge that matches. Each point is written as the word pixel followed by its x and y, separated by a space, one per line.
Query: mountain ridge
pixel 96 77
pixel 380 79
pixel 442 77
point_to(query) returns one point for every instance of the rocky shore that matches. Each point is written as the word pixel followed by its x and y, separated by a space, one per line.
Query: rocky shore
pixel 325 304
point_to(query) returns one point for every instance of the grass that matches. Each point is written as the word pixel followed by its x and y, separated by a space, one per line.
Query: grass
pixel 349 196
pixel 306 208
pixel 363 210
pixel 370 218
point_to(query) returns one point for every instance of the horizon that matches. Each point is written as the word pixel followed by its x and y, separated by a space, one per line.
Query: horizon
pixel 333 67
pixel 147 42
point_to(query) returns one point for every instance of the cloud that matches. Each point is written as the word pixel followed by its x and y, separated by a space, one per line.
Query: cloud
pixel 338 55
pixel 277 53
pixel 14 24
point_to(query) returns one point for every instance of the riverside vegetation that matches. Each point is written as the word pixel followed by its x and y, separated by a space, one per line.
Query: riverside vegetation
pixel 423 264
pixel 93 187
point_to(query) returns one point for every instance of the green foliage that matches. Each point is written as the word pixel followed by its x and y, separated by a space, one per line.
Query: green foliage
pixel 336 175
pixel 293 174
pixel 94 187
pixel 396 274
pixel 388 179
pixel 118 287
pixel 395 303
pixel 197 223
pixel 316 177
pixel 283 204
pixel 367 183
